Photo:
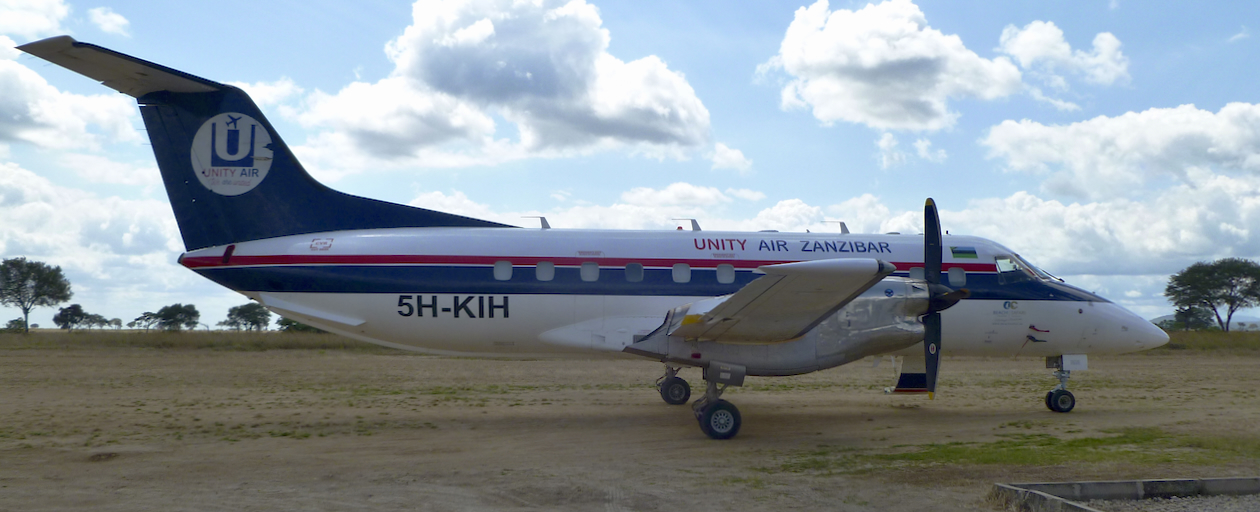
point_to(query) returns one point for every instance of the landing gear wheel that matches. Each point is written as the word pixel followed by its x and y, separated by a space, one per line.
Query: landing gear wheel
pixel 720 420
pixel 1048 406
pixel 675 391
pixel 1061 400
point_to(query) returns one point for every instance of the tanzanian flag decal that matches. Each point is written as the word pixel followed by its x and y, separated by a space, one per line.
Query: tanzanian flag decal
pixel 964 252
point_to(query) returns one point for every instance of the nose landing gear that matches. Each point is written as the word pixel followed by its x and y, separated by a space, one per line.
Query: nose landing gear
pixel 1060 399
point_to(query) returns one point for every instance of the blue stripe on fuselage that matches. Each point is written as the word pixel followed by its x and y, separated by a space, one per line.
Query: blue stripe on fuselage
pixel 567 281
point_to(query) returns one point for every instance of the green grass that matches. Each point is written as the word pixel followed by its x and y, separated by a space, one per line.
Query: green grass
pixel 1237 343
pixel 1137 446
pixel 209 340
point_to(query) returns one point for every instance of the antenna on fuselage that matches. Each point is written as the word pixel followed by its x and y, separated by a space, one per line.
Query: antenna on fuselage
pixel 695 226
pixel 844 229
pixel 545 225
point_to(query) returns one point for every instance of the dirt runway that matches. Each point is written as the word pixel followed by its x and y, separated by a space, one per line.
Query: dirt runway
pixel 133 429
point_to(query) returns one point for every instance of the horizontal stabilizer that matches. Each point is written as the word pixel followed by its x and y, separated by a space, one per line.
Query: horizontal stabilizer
pixel 123 73
pixel 789 301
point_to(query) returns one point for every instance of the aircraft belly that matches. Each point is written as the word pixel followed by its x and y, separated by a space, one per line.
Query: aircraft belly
pixel 479 324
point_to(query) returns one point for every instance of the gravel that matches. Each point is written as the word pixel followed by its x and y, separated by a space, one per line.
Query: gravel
pixel 1244 503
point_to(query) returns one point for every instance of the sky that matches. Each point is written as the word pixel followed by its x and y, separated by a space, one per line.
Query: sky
pixel 1112 143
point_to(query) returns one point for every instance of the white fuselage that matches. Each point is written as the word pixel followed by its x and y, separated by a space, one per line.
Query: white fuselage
pixel 507 291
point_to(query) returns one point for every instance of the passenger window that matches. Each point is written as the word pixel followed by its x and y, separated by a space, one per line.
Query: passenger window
pixel 957 277
pixel 545 271
pixel 590 271
pixel 682 273
pixel 634 272
pixel 726 273
pixel 916 273
pixel 503 270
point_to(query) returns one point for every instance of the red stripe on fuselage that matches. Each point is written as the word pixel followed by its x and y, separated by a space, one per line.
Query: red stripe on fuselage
pixel 406 259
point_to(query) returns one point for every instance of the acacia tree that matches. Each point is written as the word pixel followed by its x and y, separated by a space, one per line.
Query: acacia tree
pixel 1230 284
pixel 29 284
pixel 250 317
pixel 178 316
pixel 72 316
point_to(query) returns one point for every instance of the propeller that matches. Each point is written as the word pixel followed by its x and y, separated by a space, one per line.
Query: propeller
pixel 940 297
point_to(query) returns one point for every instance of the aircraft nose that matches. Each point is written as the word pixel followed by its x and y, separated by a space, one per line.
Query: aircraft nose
pixel 1137 333
pixel 1148 334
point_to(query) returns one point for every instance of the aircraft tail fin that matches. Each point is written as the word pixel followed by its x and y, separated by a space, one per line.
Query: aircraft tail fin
pixel 228 175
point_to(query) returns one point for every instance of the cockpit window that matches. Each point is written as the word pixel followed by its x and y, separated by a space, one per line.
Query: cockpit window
pixel 1013 269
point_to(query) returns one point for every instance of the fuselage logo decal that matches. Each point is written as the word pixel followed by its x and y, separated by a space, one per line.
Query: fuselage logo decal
pixel 231 153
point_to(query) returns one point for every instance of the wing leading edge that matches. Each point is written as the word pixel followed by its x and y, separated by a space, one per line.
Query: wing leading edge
pixel 789 301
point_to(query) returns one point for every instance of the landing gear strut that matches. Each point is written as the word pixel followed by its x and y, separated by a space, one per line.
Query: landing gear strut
pixel 718 418
pixel 674 390
pixel 1060 399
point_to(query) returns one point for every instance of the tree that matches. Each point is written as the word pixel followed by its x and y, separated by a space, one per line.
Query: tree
pixel 178 316
pixel 147 320
pixel 70 317
pixel 290 325
pixel 251 317
pixel 15 325
pixel 1194 318
pixel 1229 283
pixel 29 284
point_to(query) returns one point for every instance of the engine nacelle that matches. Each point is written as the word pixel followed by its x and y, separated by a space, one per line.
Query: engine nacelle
pixel 883 319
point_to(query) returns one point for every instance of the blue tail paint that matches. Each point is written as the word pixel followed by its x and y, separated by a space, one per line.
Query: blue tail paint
pixel 229 176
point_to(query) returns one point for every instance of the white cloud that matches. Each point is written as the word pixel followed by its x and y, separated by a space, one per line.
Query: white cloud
pixel 745 194
pixel 1109 157
pixel 118 254
pixel 884 67
pixel 1061 105
pixel 32 18
pixel 676 194
pixel 541 66
pixel 100 169
pixel 33 111
pixel 862 214
pixel 109 21
pixel 923 148
pixel 1040 46
pixel 888 154
pixel 725 157
pixel 1242 34
pixel 271 93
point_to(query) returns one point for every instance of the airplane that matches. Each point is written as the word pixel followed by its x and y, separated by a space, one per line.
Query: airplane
pixel 733 304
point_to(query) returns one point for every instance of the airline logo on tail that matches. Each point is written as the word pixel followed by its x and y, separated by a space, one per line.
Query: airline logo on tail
pixel 231 153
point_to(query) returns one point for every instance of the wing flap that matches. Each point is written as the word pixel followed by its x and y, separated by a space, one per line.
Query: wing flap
pixel 789 301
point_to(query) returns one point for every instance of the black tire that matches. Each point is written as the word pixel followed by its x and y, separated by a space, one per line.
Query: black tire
pixel 675 391
pixel 720 420
pixel 1061 400
pixel 1048 406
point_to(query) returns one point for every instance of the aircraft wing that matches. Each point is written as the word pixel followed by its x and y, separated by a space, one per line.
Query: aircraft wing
pixel 783 305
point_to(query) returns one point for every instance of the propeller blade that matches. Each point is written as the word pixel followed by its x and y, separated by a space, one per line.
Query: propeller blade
pixel 932 250
pixel 932 350
pixel 933 254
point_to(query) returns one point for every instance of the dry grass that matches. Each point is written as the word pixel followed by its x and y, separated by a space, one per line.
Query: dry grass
pixel 1238 343
pixel 190 340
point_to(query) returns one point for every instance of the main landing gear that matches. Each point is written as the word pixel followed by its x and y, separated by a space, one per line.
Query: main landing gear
pixel 718 418
pixel 1060 399
pixel 674 390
